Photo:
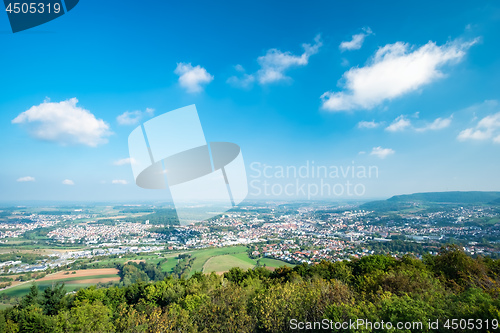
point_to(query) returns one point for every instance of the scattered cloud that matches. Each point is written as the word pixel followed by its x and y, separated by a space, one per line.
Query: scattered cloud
pixel 125 161
pixel 119 181
pixel 368 124
pixel 395 69
pixel 437 124
pixel 356 42
pixel 65 123
pixel 402 123
pixel 245 82
pixel 133 117
pixel 26 179
pixel 487 128
pixel 129 117
pixel 274 64
pixel 239 68
pixel 399 124
pixel 193 79
pixel 68 182
pixel 382 152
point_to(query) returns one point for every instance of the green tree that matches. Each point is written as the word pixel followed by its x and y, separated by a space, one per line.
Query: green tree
pixel 86 317
pixel 52 297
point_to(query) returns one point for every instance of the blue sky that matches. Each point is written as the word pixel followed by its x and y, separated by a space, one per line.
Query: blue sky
pixel 411 88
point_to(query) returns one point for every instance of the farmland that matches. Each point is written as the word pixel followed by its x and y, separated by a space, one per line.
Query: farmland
pixel 221 263
pixel 209 260
pixel 80 279
pixel 81 274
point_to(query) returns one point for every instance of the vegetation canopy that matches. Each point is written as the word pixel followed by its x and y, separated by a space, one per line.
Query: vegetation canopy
pixel 374 288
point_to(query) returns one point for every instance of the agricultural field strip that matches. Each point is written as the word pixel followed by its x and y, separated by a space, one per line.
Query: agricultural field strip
pixel 81 273
pixel 78 278
pixel 60 276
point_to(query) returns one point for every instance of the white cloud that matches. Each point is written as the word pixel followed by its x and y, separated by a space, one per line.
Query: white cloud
pixel 133 117
pixel 129 117
pixel 437 124
pixel 119 181
pixel 399 124
pixel 68 182
pixel 125 161
pixel 192 78
pixel 402 123
pixel 275 62
pixel 26 179
pixel 486 129
pixel 356 42
pixel 246 81
pixel 472 134
pixel 382 152
pixel 394 70
pixel 239 68
pixel 64 122
pixel 368 124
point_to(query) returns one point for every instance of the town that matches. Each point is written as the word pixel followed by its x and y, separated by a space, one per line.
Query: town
pixel 291 232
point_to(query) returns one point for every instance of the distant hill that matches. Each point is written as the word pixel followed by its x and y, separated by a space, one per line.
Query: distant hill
pixel 450 197
pixel 399 202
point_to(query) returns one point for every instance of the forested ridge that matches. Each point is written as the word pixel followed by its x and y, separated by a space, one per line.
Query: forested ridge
pixel 377 287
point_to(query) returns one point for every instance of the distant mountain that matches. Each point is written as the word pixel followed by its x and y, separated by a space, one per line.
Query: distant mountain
pixel 399 202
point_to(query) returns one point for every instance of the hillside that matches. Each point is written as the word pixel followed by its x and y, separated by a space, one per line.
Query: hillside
pixel 405 201
pixel 471 197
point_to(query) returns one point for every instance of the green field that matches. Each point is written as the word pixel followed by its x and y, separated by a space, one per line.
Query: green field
pixel 24 289
pixel 274 263
pixel 5 306
pixel 224 263
pixel 491 221
pixel 233 256
pixel 203 255
pixel 205 260
pixel 170 264
pixel 244 257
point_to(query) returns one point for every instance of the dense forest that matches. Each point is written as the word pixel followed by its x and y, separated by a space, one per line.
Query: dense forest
pixel 375 288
